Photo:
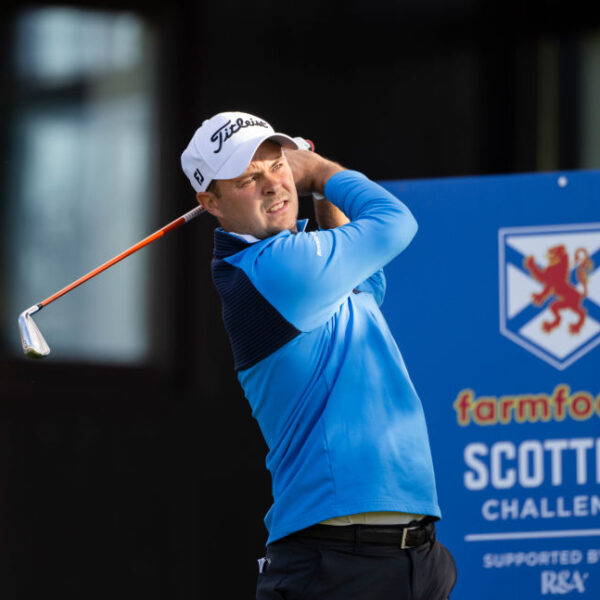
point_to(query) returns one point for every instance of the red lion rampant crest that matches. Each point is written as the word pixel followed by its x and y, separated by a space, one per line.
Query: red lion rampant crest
pixel 555 278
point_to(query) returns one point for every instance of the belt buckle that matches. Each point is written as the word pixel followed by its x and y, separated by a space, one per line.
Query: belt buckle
pixel 405 531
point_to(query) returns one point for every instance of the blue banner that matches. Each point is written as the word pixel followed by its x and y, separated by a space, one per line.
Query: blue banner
pixel 496 309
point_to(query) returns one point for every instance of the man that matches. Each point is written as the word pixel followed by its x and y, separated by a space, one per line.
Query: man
pixel 354 499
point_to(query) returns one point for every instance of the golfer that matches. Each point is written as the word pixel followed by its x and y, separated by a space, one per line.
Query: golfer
pixel 354 498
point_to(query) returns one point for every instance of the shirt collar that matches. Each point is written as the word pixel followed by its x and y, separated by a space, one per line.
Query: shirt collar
pixel 245 236
pixel 229 242
pixel 300 224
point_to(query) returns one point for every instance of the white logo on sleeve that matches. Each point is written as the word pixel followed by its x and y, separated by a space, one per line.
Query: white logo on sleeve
pixel 317 242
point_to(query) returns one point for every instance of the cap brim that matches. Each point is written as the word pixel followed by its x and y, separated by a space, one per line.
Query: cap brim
pixel 240 159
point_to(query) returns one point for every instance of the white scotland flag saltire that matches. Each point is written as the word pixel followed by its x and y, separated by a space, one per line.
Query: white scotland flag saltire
pixel 549 280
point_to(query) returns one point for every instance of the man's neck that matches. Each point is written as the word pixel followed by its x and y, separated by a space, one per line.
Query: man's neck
pixel 251 239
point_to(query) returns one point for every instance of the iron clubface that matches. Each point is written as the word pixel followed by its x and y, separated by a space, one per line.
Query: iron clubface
pixel 32 340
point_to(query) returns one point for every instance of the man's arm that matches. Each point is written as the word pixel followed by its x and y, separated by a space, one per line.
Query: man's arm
pixel 305 277
pixel 311 172
pixel 328 215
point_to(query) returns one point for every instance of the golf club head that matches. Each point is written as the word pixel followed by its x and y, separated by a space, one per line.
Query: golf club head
pixel 33 342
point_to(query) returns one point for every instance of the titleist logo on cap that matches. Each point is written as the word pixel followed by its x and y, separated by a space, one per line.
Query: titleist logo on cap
pixel 208 156
pixel 221 135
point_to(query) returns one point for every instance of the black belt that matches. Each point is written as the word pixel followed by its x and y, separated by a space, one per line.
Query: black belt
pixel 404 536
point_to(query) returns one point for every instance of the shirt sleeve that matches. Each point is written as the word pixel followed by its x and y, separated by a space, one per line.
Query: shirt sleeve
pixel 307 276
pixel 375 285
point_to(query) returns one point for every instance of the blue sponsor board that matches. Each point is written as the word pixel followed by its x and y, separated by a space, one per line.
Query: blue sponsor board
pixel 496 309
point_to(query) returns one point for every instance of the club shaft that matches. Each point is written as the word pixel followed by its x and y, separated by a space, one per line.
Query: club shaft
pixel 141 244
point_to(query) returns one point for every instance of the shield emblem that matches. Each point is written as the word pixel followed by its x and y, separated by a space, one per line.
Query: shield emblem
pixel 550 290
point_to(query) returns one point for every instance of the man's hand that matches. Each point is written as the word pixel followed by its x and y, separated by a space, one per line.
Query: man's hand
pixel 311 171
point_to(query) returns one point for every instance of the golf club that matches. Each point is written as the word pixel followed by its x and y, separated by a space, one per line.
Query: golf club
pixel 32 340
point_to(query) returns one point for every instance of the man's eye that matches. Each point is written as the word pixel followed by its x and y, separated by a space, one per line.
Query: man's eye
pixel 277 166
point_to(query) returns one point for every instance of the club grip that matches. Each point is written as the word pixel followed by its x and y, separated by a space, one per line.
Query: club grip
pixel 304 144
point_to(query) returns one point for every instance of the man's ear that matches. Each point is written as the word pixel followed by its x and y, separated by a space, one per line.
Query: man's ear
pixel 210 203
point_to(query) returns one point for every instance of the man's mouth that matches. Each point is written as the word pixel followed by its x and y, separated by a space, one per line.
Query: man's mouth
pixel 277 207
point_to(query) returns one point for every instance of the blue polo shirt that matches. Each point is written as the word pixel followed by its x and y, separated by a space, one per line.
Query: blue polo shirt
pixel 319 366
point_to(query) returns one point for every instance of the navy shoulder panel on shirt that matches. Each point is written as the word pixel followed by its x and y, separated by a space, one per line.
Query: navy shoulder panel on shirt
pixel 256 329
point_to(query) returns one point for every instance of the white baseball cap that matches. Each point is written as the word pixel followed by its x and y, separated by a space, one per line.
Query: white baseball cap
pixel 223 146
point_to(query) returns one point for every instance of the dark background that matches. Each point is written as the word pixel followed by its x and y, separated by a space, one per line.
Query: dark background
pixel 149 482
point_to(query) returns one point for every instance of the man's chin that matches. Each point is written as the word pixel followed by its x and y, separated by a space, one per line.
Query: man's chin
pixel 287 225
pixel 275 230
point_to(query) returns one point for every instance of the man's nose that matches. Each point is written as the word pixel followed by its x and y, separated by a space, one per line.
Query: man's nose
pixel 271 183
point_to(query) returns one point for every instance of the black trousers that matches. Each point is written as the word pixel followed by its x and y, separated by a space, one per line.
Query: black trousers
pixel 301 568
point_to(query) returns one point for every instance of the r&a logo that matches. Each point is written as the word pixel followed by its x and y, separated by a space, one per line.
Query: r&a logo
pixel 563 582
